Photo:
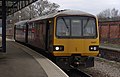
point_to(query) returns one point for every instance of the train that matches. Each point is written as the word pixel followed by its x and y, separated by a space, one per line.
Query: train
pixel 70 36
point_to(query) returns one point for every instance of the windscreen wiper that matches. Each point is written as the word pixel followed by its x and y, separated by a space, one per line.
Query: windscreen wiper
pixel 86 22
pixel 65 23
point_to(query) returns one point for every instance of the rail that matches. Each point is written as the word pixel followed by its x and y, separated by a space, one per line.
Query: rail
pixel 110 53
pixel 77 73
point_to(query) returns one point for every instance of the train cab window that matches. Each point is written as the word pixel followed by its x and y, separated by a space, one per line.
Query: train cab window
pixel 63 26
pixel 76 27
pixel 89 27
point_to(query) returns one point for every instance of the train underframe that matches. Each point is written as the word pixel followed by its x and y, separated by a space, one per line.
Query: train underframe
pixel 71 62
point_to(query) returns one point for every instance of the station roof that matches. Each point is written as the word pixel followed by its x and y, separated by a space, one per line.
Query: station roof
pixel 13 6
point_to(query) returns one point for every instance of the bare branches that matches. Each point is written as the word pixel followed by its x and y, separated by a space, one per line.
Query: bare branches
pixel 109 14
pixel 40 8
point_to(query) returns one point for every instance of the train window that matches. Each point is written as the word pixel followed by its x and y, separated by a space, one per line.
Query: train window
pixel 89 28
pixel 63 26
pixel 76 26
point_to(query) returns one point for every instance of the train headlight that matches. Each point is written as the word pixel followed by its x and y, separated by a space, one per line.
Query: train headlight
pixel 58 48
pixel 93 48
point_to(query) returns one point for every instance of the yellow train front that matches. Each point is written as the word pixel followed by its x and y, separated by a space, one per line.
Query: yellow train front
pixel 76 40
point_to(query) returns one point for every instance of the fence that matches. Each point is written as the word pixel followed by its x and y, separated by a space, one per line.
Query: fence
pixel 109 31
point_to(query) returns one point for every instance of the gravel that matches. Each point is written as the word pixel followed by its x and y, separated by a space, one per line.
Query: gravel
pixel 104 68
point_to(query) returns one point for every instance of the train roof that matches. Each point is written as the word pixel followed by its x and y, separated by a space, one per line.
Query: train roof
pixel 21 22
pixel 63 12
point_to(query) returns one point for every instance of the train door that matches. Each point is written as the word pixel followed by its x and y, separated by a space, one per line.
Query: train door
pixel 49 35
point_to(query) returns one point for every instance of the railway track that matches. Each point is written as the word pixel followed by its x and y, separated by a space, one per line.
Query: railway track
pixel 110 53
pixel 77 73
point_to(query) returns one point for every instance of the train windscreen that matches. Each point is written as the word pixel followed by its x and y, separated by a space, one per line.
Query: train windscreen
pixel 76 26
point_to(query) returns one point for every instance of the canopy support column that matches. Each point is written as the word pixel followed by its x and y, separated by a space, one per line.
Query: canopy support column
pixel 3 25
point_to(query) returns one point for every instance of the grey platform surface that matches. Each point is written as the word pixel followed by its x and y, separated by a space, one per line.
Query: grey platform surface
pixel 18 63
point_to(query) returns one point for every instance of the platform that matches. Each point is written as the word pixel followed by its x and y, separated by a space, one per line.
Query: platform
pixel 21 61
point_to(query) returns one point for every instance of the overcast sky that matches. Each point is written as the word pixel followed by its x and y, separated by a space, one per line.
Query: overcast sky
pixel 91 6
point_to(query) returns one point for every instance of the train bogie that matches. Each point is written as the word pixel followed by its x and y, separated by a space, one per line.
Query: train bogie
pixel 75 61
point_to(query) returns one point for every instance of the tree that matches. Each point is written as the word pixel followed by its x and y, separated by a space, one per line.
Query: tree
pixel 109 14
pixel 104 14
pixel 43 7
pixel 39 8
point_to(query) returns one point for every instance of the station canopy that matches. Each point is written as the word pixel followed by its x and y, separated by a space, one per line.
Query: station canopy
pixel 13 6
